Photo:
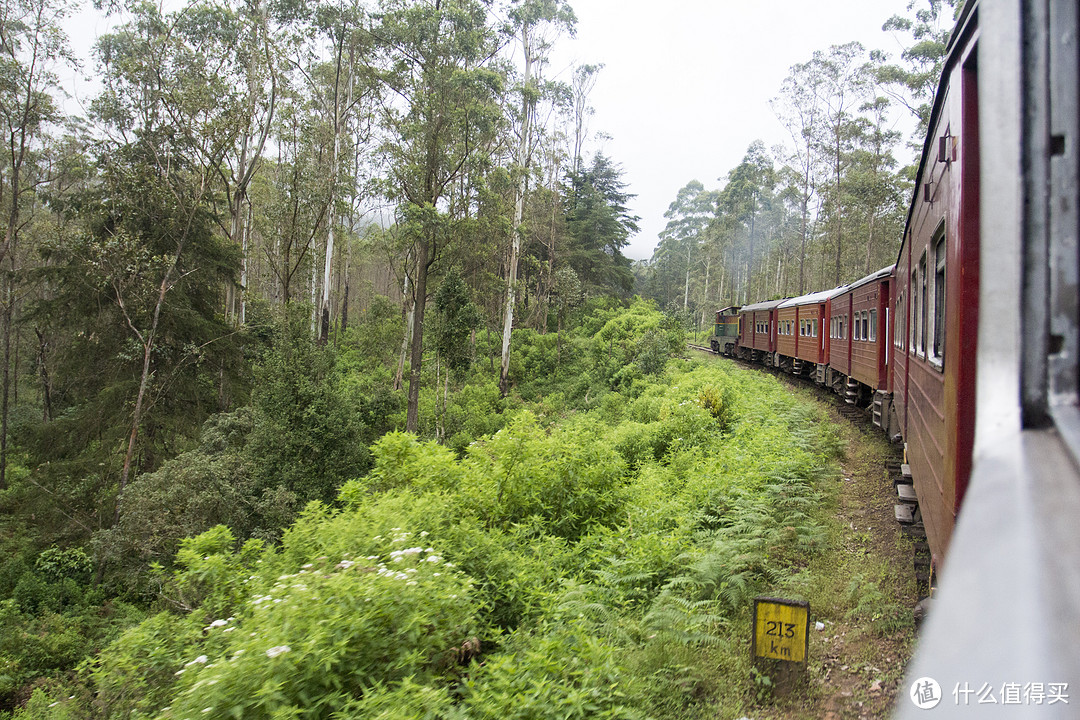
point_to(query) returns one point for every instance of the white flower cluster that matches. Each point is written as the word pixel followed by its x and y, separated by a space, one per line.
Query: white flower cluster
pixel 277 650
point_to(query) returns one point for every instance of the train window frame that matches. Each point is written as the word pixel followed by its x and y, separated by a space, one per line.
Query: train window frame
pixel 922 320
pixel 873 325
pixel 913 345
pixel 813 327
pixel 938 289
pixel 900 319
pixel 866 326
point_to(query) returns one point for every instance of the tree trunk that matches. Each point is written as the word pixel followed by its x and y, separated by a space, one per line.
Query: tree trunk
pixel 416 356
pixel 46 381
pixel 5 409
pixel 519 212
pixel 410 318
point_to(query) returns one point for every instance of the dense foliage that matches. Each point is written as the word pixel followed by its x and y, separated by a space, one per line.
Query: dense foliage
pixel 589 557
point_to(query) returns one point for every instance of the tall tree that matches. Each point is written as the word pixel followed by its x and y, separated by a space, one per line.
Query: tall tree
pixel 747 194
pixel 31 43
pixel 436 54
pixel 687 218
pixel 800 107
pixel 846 84
pixel 599 224
pixel 924 37
pixel 530 19
pixel 156 160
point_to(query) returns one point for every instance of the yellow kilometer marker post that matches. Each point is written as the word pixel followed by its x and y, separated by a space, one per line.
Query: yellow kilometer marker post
pixel 781 640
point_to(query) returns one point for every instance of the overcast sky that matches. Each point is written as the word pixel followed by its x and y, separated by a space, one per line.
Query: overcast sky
pixel 686 84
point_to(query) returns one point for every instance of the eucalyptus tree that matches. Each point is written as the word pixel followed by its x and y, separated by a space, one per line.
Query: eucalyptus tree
pixel 924 37
pixel 875 186
pixel 583 82
pixel 296 198
pixel 800 107
pixel 437 56
pixel 747 194
pixel 531 20
pixel 332 56
pixel 31 44
pixel 846 84
pixel 688 217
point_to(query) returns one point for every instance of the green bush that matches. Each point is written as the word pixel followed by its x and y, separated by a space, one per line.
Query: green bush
pixel 570 479
pixel 307 437
pixel 567 674
pixel 322 635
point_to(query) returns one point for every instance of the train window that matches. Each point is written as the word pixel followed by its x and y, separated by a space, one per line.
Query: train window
pixel 873 326
pixel 898 331
pixel 865 325
pixel 813 328
pixel 912 344
pixel 937 349
pixel 923 305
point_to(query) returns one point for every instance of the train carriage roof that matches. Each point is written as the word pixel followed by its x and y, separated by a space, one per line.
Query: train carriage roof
pixel 882 273
pixel 767 305
pixel 815 297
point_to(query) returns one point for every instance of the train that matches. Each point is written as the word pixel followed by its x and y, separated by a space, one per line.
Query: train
pixel 967 350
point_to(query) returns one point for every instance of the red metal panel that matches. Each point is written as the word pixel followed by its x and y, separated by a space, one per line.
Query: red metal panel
pixel 746 329
pixel 865 353
pixel 772 330
pixel 787 343
pixel 940 390
pixel 883 334
pixel 840 346
pixel 761 332
pixel 826 336
pixel 811 347
pixel 963 272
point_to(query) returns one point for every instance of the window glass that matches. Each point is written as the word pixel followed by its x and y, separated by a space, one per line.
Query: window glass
pixel 865 325
pixel 923 310
pixel 873 326
pixel 937 350
pixel 913 344
pixel 813 327
pixel 898 331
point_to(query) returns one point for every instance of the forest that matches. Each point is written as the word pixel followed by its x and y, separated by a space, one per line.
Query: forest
pixel 317 327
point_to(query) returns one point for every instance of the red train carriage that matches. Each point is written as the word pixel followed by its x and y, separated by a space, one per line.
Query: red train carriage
pixel 801 341
pixel 757 331
pixel 859 340
pixel 936 300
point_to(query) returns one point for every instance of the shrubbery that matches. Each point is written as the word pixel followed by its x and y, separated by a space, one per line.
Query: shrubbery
pixel 587 554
